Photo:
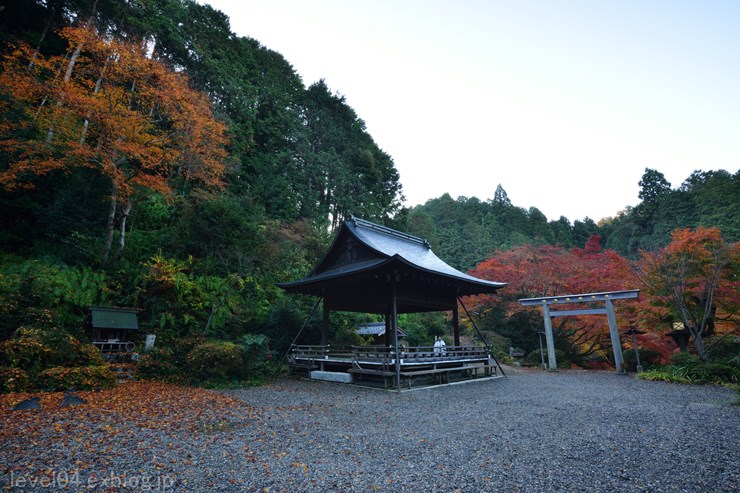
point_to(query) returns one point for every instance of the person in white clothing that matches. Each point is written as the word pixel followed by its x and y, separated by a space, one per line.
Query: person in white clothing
pixel 439 345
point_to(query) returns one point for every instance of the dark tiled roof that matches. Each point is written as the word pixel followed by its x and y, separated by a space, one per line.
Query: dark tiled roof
pixel 388 246
pixel 389 242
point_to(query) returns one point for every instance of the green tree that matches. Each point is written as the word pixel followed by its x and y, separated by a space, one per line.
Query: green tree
pixel 500 197
pixel 582 230
pixel 344 171
pixel 653 186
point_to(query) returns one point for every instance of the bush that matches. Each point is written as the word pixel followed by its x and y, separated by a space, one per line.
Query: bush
pixel 421 328
pixel 715 373
pixel 257 354
pixel 79 378
pixel 666 374
pixel 499 346
pixel 694 371
pixel 26 350
pixel 215 359
pixel 89 355
pixel 534 359
pixel 685 360
pixel 724 348
pixel 158 364
pixel 32 353
pixel 35 350
pixel 649 358
pixel 13 380
pixel 51 359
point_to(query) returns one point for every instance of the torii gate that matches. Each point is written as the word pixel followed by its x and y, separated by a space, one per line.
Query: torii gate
pixel 608 309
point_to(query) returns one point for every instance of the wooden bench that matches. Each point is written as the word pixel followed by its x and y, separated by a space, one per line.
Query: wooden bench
pixel 412 375
pixel 472 371
pixel 386 374
pixel 368 371
pixel 442 372
pixel 297 367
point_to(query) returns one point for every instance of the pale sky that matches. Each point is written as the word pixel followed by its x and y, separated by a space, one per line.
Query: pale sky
pixel 562 102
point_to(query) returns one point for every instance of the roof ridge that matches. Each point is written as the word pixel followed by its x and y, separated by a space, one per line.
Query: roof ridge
pixel 389 231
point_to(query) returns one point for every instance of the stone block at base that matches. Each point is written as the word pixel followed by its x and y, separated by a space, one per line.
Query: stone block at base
pixel 332 376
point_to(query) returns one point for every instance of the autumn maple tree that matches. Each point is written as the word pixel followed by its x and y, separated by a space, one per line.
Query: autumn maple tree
pixel 695 278
pixel 104 104
pixel 536 271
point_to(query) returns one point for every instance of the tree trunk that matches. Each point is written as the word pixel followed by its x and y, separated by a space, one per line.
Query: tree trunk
pixel 67 76
pixel 43 36
pixel 122 230
pixel 110 227
pixel 96 90
pixel 699 346
pixel 214 309
pixel 70 68
pixel 695 330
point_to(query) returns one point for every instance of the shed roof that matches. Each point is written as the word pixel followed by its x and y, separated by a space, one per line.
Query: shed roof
pixel 113 318
pixel 355 273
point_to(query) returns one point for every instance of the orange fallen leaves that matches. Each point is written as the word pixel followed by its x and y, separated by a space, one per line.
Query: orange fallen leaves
pixel 149 405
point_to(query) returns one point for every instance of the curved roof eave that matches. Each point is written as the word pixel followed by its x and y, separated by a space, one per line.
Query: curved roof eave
pixel 462 277
pixel 488 286
pixel 333 274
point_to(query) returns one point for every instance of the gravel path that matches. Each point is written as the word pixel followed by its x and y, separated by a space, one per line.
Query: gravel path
pixel 571 431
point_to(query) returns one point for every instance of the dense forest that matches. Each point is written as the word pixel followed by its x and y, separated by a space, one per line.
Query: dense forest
pixel 465 230
pixel 151 158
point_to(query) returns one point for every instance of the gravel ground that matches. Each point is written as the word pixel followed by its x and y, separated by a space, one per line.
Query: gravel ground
pixel 571 431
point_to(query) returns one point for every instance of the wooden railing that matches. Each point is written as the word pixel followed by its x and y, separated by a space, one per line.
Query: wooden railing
pixel 109 347
pixel 432 353
pixel 415 363
pixel 386 355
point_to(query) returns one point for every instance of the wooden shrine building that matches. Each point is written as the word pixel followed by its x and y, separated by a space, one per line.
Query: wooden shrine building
pixel 373 269
pixel 112 329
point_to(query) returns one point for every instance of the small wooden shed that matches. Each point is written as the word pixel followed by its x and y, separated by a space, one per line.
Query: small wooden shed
pixel 112 329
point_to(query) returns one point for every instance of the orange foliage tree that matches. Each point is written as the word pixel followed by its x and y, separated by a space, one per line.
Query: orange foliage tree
pixel 536 271
pixel 105 105
pixel 695 279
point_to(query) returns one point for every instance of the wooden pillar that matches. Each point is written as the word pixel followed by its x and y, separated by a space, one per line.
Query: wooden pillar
pixel 388 338
pixel 456 324
pixel 394 330
pixel 614 333
pixel 552 363
pixel 325 326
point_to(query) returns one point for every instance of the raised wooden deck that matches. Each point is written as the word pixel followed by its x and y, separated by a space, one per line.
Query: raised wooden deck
pixel 377 364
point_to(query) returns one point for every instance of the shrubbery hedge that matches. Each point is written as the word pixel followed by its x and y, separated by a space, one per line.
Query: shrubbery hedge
pixel 78 378
pixel 51 359
pixel 158 364
pixel 649 358
pixel 688 368
pixel 35 350
pixel 534 359
pixel 205 361
pixel 13 380
pixel 216 359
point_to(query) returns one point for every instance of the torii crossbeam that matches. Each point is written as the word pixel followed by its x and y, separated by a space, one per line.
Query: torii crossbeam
pixel 608 310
